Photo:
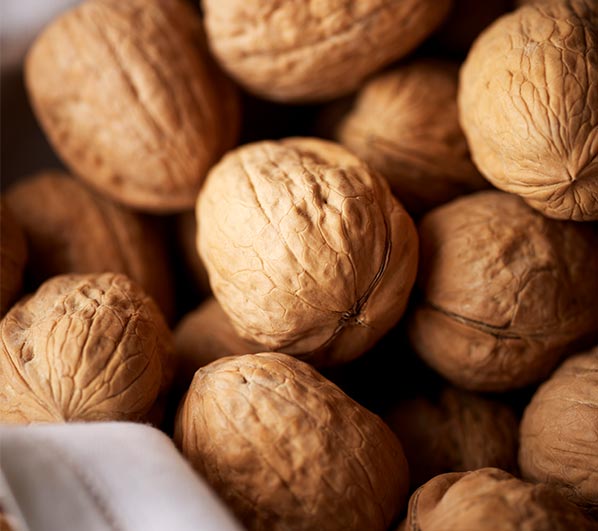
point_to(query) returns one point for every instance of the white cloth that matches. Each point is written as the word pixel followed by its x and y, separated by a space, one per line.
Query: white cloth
pixel 111 476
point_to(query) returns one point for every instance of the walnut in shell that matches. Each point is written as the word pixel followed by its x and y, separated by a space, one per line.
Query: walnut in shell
pixel 306 51
pixel 128 96
pixel 454 432
pixel 490 499
pixel 82 348
pixel 405 125
pixel 307 250
pixel 72 230
pixel 13 256
pixel 287 449
pixel 559 431
pixel 528 104
pixel 506 291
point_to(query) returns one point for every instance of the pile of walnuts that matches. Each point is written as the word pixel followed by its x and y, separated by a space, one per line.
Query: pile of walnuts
pixel 441 242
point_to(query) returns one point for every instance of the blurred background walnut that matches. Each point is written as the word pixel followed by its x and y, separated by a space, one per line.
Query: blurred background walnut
pixel 13 256
pixel 506 291
pixel 131 101
pixel 306 51
pixel 559 431
pixel 404 124
pixel 83 347
pixel 287 449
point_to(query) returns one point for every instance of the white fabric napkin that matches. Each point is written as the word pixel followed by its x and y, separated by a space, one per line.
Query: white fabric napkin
pixel 110 476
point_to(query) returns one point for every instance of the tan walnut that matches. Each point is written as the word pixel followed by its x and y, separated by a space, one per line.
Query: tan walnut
pixel 307 250
pixel 405 125
pixel 287 449
pixel 13 257
pixel 490 499
pixel 129 98
pixel 529 106
pixel 82 348
pixel 455 431
pixel 301 50
pixel 559 431
pixel 506 291
pixel 70 229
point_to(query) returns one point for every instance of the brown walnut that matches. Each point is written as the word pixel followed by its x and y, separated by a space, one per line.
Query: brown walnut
pixel 302 50
pixel 307 250
pixel 559 431
pixel 405 125
pixel 82 348
pixel 72 230
pixel 490 499
pixel 287 449
pixel 528 104
pixel 13 256
pixel 129 98
pixel 506 291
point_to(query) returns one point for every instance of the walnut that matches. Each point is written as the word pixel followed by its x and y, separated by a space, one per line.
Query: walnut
pixel 187 237
pixel 405 125
pixel 455 432
pixel 529 106
pixel 490 499
pixel 13 256
pixel 83 347
pixel 72 230
pixel 506 291
pixel 307 250
pixel 309 51
pixel 559 431
pixel 287 449
pixel 128 96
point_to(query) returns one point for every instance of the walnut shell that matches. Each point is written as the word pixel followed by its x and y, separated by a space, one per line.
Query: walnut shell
pixel 13 256
pixel 507 291
pixel 559 431
pixel 307 250
pixel 405 125
pixel 287 449
pixel 128 96
pixel 456 432
pixel 528 104
pixel 72 230
pixel 490 499
pixel 306 51
pixel 83 347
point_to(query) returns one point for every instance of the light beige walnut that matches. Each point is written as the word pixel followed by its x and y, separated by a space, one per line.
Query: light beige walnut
pixel 506 291
pixel 490 499
pixel 405 124
pixel 83 348
pixel 455 431
pixel 130 100
pixel 300 50
pixel 307 250
pixel 70 229
pixel 528 103
pixel 13 256
pixel 287 449
pixel 559 431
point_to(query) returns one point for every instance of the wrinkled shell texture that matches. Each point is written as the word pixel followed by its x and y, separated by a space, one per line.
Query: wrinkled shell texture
pixel 128 97
pixel 83 347
pixel 559 431
pixel 529 106
pixel 459 431
pixel 405 125
pixel 307 250
pixel 72 230
pixel 492 500
pixel 300 50
pixel 13 256
pixel 287 449
pixel 506 291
